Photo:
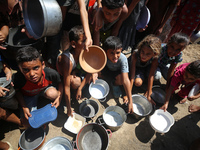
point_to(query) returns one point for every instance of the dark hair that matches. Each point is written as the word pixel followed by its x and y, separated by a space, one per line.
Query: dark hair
pixel 112 4
pixel 27 54
pixel 75 32
pixel 179 38
pixel 194 68
pixel 112 42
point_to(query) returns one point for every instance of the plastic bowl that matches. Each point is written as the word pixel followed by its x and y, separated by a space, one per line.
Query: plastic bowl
pixel 94 60
pixel 158 95
pixel 161 121
pixel 144 18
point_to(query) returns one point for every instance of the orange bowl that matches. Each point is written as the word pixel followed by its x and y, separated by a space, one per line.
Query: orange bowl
pixel 94 60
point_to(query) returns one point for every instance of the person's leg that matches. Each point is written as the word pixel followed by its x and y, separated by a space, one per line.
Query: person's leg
pixel 139 76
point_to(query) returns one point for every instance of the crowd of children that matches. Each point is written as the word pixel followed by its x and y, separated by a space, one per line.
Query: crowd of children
pixel 112 25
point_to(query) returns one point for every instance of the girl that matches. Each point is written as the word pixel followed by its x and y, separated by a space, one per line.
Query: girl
pixel 144 62
pixel 188 75
pixel 171 55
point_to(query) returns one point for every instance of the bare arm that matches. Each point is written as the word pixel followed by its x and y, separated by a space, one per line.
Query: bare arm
pixel 132 69
pixel 170 73
pixel 3 35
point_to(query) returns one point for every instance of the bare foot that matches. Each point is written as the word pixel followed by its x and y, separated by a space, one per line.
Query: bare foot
pixel 183 101
pixel 193 108
pixel 125 99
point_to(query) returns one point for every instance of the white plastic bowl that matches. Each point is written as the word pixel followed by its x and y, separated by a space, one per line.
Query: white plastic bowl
pixel 161 121
pixel 75 123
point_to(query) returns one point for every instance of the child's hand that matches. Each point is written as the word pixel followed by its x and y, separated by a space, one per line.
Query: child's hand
pixel 191 98
pixel 26 112
pixel 69 112
pixel 9 75
pixel 125 99
pixel 149 98
pixel 56 103
pixel 2 91
pixel 94 77
pixel 130 108
pixel 164 107
pixel 79 94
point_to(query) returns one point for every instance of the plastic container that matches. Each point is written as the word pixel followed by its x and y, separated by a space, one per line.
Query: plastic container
pixel 144 18
pixel 75 123
pixel 194 90
pixel 161 121
pixel 42 116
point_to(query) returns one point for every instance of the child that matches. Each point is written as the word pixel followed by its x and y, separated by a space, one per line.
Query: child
pixel 117 66
pixel 35 80
pixel 171 55
pixel 187 74
pixel 144 62
pixel 67 64
pixel 111 13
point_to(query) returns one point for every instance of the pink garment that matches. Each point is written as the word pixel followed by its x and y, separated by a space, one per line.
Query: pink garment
pixel 178 79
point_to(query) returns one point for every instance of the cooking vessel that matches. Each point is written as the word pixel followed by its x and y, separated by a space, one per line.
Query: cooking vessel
pixel 93 136
pixel 158 95
pixel 58 143
pixel 99 90
pixel 88 108
pixel 114 117
pixel 32 139
pixel 16 40
pixel 42 17
pixel 141 106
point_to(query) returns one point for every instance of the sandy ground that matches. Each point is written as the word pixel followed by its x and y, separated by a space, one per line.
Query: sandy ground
pixel 135 134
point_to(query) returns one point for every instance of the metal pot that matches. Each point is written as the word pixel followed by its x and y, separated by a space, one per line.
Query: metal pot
pixel 114 117
pixel 99 90
pixel 59 143
pixel 42 17
pixel 88 108
pixel 158 95
pixel 32 139
pixel 92 136
pixel 141 106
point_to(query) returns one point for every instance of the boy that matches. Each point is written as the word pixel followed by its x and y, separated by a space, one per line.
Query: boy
pixel 117 67
pixel 35 80
pixel 68 67
pixel 111 12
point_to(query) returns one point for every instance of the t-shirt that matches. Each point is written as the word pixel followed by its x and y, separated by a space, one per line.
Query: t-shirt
pixel 164 59
pixel 177 78
pixel 50 77
pixel 122 64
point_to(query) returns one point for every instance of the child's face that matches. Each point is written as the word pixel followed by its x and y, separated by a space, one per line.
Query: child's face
pixel 113 55
pixel 146 53
pixel 189 77
pixel 32 70
pixel 79 45
pixel 173 49
pixel 111 14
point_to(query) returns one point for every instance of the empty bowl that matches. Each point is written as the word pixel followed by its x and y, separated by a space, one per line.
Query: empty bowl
pixel 141 106
pixel 144 18
pixel 161 121
pixel 88 108
pixel 158 95
pixel 94 60
pixel 99 89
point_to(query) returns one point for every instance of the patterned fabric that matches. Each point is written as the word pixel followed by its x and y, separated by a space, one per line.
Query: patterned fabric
pixel 164 59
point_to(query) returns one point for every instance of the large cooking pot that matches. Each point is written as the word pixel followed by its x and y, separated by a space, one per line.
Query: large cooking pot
pixel 42 17
pixel 32 139
pixel 114 117
pixel 93 136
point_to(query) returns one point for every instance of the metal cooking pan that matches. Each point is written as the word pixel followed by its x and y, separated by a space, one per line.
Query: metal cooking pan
pixel 32 139
pixel 92 136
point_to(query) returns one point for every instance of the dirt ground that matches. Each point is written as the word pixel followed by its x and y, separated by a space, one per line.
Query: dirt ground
pixel 135 134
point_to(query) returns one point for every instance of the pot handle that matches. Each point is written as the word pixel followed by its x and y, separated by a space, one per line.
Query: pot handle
pixel 73 144
pixel 108 130
pixel 19 148
pixel 99 119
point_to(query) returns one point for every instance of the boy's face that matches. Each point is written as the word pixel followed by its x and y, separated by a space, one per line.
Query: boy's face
pixel 111 14
pixel 173 49
pixel 189 77
pixel 79 45
pixel 146 53
pixel 32 70
pixel 113 55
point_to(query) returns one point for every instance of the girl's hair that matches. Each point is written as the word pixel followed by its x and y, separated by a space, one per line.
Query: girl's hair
pixel 179 38
pixel 112 4
pixel 112 42
pixel 151 41
pixel 194 68
pixel 75 32
pixel 26 54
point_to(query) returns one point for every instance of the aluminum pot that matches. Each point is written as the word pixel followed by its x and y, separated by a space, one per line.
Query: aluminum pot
pixel 58 143
pixel 114 117
pixel 32 139
pixel 42 17
pixel 141 106
pixel 93 136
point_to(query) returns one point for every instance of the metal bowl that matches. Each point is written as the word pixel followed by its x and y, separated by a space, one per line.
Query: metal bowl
pixel 89 108
pixel 58 143
pixel 141 106
pixel 99 90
